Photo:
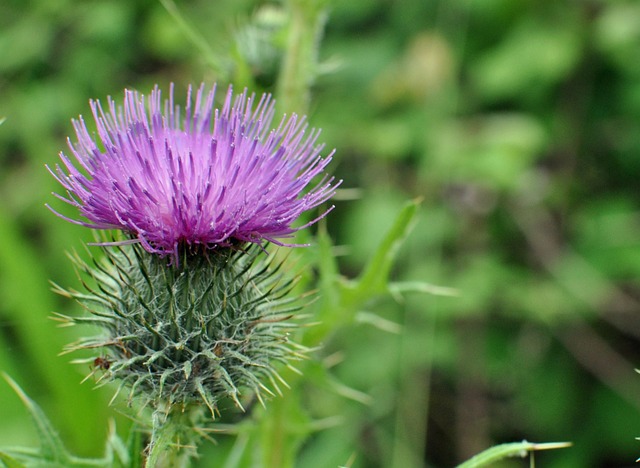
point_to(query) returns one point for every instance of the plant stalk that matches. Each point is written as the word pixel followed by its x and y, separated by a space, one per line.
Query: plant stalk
pixel 299 66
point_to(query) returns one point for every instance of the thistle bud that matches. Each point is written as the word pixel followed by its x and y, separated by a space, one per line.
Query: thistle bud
pixel 208 328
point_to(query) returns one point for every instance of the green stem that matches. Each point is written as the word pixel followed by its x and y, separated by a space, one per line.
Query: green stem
pixel 174 438
pixel 299 66
pixel 283 428
pixel 193 35
pixel 514 449
pixel 297 73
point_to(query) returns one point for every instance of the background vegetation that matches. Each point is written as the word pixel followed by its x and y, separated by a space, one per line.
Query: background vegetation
pixel 516 123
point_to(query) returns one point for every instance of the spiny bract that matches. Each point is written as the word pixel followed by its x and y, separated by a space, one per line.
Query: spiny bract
pixel 175 335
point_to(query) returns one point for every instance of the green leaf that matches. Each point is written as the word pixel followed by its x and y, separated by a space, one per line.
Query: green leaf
pixel 10 462
pixel 26 302
pixel 397 289
pixel 135 448
pixel 375 275
pixel 328 268
pixel 52 452
pixel 514 449
pixel 116 446
pixel 343 299
pixel 51 446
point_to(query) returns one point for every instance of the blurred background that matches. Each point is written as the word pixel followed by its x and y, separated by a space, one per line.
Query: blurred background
pixel 517 122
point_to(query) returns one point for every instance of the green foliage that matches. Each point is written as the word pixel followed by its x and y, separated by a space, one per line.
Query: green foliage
pixel 515 123
pixel 52 452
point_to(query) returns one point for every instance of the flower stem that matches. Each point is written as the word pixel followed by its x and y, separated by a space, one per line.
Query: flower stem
pixel 174 438
pixel 299 66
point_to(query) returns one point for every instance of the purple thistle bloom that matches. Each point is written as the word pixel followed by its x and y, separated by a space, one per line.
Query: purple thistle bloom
pixel 211 178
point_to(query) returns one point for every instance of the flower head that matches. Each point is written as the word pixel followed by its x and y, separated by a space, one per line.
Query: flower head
pixel 210 177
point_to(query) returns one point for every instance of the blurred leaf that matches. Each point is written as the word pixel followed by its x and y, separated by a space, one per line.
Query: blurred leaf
pixel 477 282
pixel 422 73
pixel 10 462
pixel 27 302
pixel 404 287
pixel 25 43
pixel 52 452
pixel 104 22
pixel 608 235
pixel 492 151
pixel 533 57
pixel 617 34
pixel 366 224
pixel 51 446
pixel 374 277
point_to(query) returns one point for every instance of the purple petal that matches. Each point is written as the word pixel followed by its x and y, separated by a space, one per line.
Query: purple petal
pixel 211 177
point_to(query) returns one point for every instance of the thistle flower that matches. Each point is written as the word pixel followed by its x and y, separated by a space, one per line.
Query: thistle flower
pixel 203 188
pixel 210 178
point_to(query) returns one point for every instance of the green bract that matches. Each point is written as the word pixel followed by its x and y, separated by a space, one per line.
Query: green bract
pixel 209 327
